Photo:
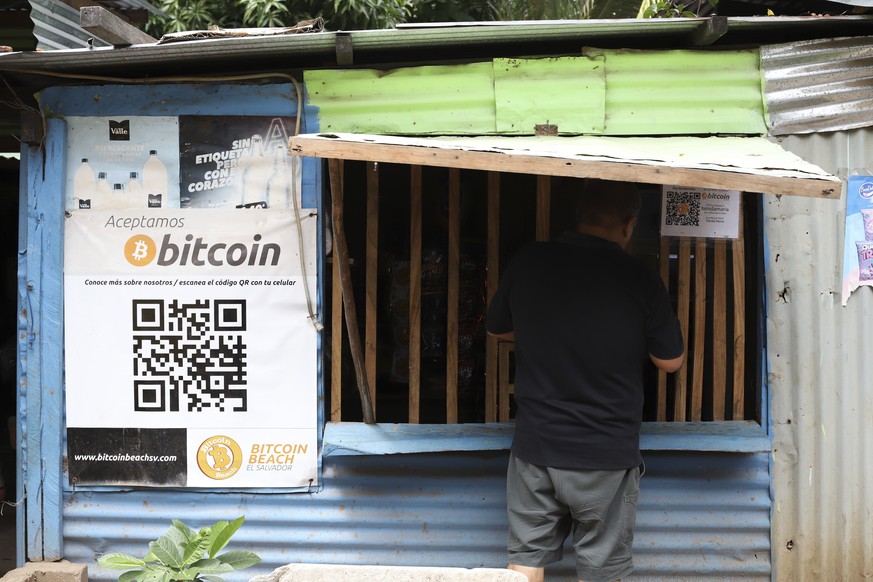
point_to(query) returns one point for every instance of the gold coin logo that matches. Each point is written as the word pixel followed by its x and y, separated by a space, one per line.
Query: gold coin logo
pixel 140 250
pixel 219 457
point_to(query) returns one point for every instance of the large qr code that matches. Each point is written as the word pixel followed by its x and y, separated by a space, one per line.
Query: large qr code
pixel 189 354
pixel 683 208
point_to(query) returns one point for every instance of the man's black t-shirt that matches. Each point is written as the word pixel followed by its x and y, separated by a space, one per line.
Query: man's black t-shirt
pixel 586 316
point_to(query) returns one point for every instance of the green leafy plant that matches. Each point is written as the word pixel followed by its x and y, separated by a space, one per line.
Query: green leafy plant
pixel 182 554
pixel 671 8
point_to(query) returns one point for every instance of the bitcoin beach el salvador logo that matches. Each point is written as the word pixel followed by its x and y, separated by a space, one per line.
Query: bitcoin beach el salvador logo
pixel 140 250
pixel 219 457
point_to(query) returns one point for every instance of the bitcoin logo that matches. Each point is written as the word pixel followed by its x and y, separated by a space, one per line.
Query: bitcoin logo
pixel 140 250
pixel 219 457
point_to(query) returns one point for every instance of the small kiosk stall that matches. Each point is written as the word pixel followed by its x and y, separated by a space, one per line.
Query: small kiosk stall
pixel 262 294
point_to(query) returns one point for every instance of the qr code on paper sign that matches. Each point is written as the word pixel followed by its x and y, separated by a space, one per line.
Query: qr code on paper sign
pixel 682 208
pixel 190 355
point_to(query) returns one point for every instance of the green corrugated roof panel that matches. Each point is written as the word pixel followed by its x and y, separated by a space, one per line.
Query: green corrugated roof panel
pixel 603 92
pixel 526 95
pixel 683 92
pixel 415 100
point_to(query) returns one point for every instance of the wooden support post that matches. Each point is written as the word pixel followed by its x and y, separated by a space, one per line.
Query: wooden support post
pixel 684 306
pixel 544 203
pixel 709 31
pixel 371 307
pixel 341 255
pixel 719 331
pixel 664 263
pixel 493 279
pixel 415 294
pixel 699 329
pixel 336 334
pixel 107 26
pixel 453 296
pixel 739 348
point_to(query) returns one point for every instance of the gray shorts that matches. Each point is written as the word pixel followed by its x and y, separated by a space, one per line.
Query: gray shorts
pixel 600 507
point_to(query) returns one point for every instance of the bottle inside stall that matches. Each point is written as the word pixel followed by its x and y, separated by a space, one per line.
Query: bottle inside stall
pixel 278 185
pixel 102 192
pixel 84 185
pixel 155 180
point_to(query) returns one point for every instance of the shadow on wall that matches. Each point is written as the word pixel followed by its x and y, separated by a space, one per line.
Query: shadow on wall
pixel 9 181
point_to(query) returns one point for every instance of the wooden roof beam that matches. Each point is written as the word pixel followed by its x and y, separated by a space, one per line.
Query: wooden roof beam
pixel 709 31
pixel 107 26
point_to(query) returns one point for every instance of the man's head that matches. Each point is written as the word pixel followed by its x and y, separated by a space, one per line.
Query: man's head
pixel 608 209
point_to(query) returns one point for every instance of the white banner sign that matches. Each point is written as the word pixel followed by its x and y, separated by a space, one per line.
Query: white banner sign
pixel 190 354
pixel 700 212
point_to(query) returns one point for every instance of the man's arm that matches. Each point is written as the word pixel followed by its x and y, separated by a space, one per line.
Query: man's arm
pixel 668 365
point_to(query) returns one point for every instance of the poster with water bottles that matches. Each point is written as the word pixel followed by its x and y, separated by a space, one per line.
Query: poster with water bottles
pixel 237 162
pixel 122 163
pixel 191 323
pixel 858 241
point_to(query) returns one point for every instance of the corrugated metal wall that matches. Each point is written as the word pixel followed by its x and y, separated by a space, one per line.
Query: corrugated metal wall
pixel 819 85
pixel 820 370
pixel 701 516
pixel 56 26
pixel 627 93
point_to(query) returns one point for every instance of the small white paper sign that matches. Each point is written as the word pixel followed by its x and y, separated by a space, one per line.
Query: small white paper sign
pixel 700 212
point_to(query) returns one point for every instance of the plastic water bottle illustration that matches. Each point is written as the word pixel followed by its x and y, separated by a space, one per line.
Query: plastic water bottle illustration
pixel 256 174
pixel 84 185
pixel 102 192
pixel 155 180
pixel 134 195
pixel 277 187
pixel 118 199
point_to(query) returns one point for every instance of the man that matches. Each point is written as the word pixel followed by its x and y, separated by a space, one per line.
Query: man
pixel 585 315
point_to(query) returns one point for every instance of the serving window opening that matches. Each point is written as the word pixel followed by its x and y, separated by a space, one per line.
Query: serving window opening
pixel 426 246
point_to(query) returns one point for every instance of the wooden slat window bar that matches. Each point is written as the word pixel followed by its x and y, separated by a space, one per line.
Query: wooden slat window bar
pixel 414 294
pixel 372 267
pixel 706 278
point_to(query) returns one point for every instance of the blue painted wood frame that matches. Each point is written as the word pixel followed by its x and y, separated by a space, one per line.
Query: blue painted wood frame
pixel 41 344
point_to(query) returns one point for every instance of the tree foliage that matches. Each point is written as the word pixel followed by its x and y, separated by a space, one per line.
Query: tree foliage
pixel 562 9
pixel 673 8
pixel 184 15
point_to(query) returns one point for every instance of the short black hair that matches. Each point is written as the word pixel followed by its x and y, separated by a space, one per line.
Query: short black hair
pixel 607 203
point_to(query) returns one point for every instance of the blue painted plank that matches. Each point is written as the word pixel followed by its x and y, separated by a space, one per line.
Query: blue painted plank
pixel 734 436
pixel 354 438
pixel 41 359
pixel 349 438
pixel 175 99
pixel 32 310
pixel 51 237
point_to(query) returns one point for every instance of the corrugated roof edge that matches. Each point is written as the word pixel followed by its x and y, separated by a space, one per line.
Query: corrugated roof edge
pixel 397 46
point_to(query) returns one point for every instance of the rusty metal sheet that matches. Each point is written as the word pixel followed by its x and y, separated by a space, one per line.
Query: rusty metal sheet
pixel 819 85
pixel 819 376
